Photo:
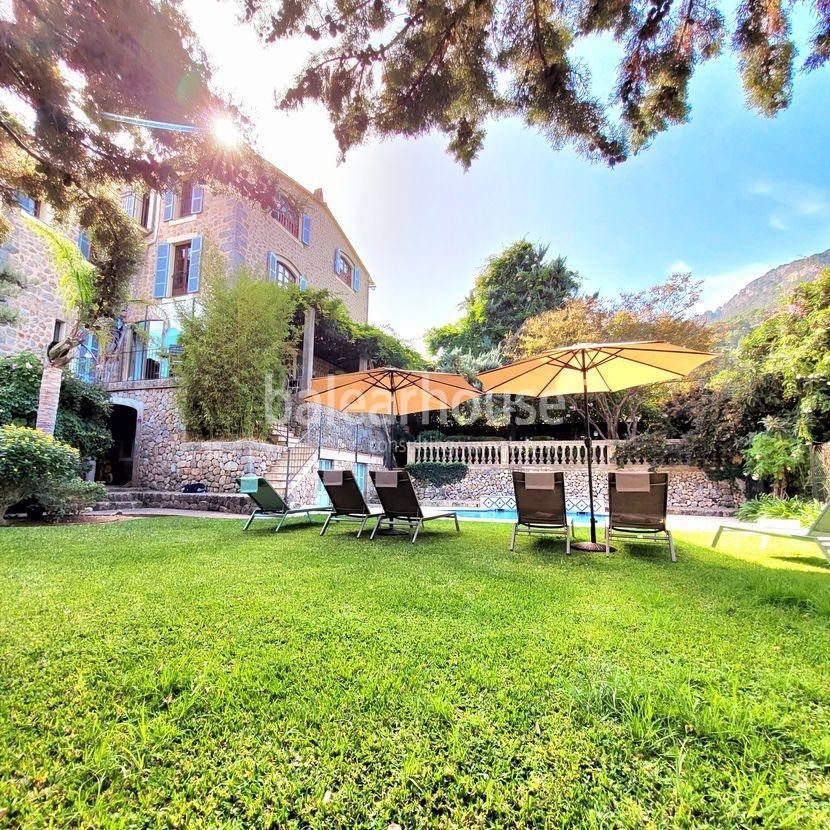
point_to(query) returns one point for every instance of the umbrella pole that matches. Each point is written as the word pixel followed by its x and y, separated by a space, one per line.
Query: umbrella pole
pixel 593 544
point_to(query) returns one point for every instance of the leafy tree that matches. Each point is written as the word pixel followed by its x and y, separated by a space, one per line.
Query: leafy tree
pixel 94 291
pixel 778 456
pixel 392 68
pixel 74 62
pixel 236 344
pixel 83 410
pixel 662 312
pixel 794 345
pixel 516 284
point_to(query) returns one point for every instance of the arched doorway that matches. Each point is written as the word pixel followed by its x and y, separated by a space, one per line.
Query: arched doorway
pixel 116 467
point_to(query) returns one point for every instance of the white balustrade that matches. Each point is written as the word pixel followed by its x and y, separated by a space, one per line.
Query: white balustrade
pixel 560 454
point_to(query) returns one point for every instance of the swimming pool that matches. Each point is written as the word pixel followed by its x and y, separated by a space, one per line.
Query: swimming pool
pixel 511 516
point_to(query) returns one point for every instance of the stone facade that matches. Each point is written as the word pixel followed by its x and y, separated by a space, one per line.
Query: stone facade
pixel 245 233
pixel 39 304
pixel 690 491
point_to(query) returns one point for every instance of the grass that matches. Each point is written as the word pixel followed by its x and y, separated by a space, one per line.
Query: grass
pixel 173 672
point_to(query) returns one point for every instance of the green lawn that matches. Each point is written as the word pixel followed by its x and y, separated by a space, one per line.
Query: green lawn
pixel 175 672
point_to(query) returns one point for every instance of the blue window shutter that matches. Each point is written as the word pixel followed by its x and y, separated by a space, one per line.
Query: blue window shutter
pixel 84 244
pixel 338 262
pixel 302 283
pixel 169 196
pixel 306 229
pixel 197 198
pixel 26 202
pixel 195 270
pixel 162 263
pixel 356 279
pixel 128 203
pixel 272 266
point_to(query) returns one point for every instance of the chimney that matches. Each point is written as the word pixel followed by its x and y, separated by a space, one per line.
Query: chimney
pixel 318 194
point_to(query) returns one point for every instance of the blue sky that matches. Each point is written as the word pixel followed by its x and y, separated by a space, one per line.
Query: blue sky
pixel 726 196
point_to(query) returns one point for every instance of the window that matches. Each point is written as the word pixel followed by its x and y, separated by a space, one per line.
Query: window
pixel 346 270
pixel 144 211
pixel 360 475
pixel 343 268
pixel 59 331
pixel 181 268
pixel 183 261
pixel 322 497
pixel 278 271
pixel 186 199
pixel 188 202
pixel 287 216
pixel 30 205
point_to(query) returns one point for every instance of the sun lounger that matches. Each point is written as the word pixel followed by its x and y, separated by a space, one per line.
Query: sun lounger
pixel 637 504
pixel 400 503
pixel 269 504
pixel 818 532
pixel 348 504
pixel 540 504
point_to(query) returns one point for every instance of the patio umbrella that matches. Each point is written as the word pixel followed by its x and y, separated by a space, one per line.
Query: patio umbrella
pixel 390 392
pixel 593 367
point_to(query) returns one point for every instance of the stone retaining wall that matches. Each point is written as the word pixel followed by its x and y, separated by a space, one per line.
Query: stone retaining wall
pixel 690 491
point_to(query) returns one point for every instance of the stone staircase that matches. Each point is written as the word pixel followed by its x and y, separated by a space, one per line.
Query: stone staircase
pixel 292 462
pixel 118 498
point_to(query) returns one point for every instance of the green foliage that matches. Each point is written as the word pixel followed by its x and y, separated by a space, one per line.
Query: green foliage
pixel 450 68
pixel 437 474
pixel 10 280
pixel 64 500
pixel 654 448
pixel 516 284
pixel 472 675
pixel 437 435
pixel 338 335
pixel 794 345
pixel 83 408
pixel 235 350
pixel 768 506
pixel 776 456
pixel 29 461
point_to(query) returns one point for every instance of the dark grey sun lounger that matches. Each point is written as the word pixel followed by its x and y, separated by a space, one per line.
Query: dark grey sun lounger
pixel 635 511
pixel 269 504
pixel 540 504
pixel 348 504
pixel 400 503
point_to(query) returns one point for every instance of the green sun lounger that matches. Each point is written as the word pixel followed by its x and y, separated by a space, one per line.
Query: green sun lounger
pixel 818 532
pixel 269 504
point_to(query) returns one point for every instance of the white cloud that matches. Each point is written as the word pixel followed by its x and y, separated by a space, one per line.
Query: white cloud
pixel 760 188
pixel 775 221
pixel 790 201
pixel 680 266
pixel 718 288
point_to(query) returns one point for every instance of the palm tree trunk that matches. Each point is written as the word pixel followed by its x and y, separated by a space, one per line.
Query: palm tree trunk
pixel 47 406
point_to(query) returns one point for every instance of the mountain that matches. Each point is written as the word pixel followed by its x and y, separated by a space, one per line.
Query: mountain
pixel 765 292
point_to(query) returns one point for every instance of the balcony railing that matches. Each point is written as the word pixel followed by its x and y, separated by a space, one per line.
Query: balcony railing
pixel 562 454
pixel 146 363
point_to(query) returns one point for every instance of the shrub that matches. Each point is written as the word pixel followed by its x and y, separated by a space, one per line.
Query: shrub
pixel 31 461
pixel 235 351
pixel 437 474
pixel 66 499
pixel 776 456
pixel 437 435
pixel 653 448
pixel 769 506
pixel 83 409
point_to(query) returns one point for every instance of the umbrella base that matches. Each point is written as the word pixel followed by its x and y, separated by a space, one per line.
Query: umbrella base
pixel 591 546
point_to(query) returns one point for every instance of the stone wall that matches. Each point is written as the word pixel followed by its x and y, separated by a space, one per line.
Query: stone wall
pixel 690 491
pixel 340 429
pixel 38 304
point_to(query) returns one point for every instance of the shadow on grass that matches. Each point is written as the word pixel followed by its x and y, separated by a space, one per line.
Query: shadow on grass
pixel 813 561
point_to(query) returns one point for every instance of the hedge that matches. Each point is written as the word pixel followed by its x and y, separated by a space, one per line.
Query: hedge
pixel 437 474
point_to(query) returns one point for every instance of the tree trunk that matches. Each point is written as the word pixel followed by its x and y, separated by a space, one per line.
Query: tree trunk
pixel 47 406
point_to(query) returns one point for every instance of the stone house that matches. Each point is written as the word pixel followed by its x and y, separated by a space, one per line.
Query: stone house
pixel 299 241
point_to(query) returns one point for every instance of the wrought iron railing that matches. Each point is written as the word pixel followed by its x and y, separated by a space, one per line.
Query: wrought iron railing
pixel 144 363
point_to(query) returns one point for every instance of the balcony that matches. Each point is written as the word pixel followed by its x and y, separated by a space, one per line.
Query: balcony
pixel 143 363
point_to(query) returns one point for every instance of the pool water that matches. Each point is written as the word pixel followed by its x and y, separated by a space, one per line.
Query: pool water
pixel 511 516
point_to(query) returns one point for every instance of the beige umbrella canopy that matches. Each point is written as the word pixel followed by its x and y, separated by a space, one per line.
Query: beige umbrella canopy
pixel 391 391
pixel 593 367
